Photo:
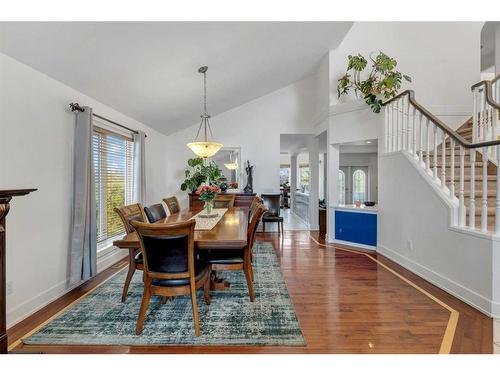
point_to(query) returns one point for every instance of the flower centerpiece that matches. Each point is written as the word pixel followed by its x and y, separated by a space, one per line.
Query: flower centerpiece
pixel 207 194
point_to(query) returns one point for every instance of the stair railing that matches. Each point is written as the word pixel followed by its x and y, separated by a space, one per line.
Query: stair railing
pixel 411 128
pixel 485 123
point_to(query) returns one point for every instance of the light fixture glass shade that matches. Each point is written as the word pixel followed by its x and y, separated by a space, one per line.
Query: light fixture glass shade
pixel 205 149
pixel 231 166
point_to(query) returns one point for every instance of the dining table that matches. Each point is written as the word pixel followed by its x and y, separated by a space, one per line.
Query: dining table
pixel 229 233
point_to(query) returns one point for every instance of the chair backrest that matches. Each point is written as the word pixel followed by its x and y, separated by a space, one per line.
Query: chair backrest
pixel 253 207
pixel 168 249
pixel 155 212
pixel 252 229
pixel 272 202
pixel 130 213
pixel 224 201
pixel 172 204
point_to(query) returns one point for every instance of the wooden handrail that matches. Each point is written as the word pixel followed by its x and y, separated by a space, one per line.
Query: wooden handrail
pixel 453 134
pixel 489 90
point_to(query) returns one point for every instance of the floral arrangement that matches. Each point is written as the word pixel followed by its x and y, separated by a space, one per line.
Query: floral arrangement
pixel 208 192
pixel 233 185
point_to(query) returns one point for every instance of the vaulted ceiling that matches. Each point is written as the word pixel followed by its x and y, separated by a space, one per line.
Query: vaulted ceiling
pixel 148 71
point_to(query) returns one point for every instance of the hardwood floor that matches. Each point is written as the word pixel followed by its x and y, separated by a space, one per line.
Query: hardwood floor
pixel 346 302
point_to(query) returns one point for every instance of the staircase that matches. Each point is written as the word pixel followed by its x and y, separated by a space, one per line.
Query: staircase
pixel 466 132
pixel 462 163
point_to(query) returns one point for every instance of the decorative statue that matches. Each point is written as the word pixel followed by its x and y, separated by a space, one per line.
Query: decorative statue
pixel 249 170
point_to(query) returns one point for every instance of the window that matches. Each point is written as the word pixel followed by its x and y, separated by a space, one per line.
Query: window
pixel 341 187
pixel 359 186
pixel 284 175
pixel 304 177
pixel 113 170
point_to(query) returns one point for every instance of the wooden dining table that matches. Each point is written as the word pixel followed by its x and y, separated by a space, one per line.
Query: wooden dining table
pixel 229 233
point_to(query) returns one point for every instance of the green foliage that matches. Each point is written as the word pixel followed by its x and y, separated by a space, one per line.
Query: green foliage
pixel 382 83
pixel 198 174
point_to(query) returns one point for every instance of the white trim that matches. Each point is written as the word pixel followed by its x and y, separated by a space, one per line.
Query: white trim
pixel 361 210
pixel 463 293
pixel 44 298
pixel 354 244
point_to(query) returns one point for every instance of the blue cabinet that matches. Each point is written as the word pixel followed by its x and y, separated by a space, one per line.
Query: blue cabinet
pixel 356 227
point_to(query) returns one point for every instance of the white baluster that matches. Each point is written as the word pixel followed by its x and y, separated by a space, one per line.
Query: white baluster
pixel 435 158
pixel 396 135
pixel 472 200
pixel 497 206
pixel 391 130
pixel 420 145
pixel 484 203
pixel 408 125
pixel 402 128
pixel 443 160
pixel 414 132
pixel 452 168
pixel 461 198
pixel 386 129
pixel 427 152
pixel 474 116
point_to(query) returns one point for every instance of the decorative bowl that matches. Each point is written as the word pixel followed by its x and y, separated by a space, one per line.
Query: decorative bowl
pixel 369 204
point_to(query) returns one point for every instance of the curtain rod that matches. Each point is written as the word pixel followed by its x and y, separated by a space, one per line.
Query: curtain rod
pixel 76 107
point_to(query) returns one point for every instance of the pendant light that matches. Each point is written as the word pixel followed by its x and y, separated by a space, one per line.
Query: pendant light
pixel 231 165
pixel 204 148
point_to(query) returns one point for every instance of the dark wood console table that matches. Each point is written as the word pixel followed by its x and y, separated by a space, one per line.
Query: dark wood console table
pixel 5 197
pixel 240 200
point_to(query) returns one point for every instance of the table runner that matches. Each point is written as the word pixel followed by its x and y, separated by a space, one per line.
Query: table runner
pixel 203 223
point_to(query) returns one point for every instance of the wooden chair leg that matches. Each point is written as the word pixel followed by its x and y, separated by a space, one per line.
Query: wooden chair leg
pixel 144 308
pixel 164 299
pixel 195 309
pixel 263 227
pixel 130 273
pixel 249 277
pixel 206 290
pixel 279 229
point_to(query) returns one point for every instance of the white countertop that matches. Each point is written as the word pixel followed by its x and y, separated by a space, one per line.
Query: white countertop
pixel 352 207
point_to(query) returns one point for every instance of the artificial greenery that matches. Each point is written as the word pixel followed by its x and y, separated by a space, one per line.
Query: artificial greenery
pixel 199 173
pixel 383 82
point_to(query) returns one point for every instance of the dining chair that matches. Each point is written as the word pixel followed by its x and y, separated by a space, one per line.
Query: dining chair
pixel 272 202
pixel 172 204
pixel 135 259
pixel 253 206
pixel 224 201
pixel 170 267
pixel 155 212
pixel 239 259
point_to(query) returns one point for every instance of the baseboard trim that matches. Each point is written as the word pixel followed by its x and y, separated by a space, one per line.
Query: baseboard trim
pixel 44 298
pixel 459 291
pixel 354 244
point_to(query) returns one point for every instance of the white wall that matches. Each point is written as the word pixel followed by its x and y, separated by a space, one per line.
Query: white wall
pixel 36 134
pixel 414 231
pixel 443 59
pixel 255 127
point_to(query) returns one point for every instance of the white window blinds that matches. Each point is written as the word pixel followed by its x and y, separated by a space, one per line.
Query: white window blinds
pixel 113 168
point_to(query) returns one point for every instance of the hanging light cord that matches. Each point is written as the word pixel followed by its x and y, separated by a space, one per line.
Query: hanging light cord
pixel 205 123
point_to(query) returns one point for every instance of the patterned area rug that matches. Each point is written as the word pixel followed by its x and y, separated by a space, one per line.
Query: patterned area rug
pixel 231 319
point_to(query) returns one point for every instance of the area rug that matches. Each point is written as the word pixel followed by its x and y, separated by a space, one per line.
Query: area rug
pixel 100 318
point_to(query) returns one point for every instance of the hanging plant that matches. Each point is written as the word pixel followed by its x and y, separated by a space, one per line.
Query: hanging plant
pixel 383 82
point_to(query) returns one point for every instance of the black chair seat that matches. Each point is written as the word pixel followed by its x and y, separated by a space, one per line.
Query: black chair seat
pixel 226 256
pixel 272 218
pixel 201 268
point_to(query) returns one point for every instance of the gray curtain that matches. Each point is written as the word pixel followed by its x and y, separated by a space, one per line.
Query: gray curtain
pixel 140 167
pixel 83 255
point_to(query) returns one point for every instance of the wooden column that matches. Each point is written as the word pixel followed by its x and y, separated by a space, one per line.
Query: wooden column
pixel 5 197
